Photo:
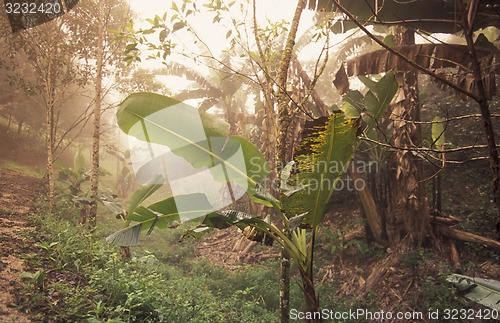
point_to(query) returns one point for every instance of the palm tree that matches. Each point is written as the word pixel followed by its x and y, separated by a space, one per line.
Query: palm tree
pixel 220 89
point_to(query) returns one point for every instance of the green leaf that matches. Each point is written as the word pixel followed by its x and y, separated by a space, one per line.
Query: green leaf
pixel 263 196
pixel 226 219
pixel 385 90
pixel 178 26
pixel 390 40
pixel 198 137
pixel 333 148
pixel 295 221
pixel 368 82
pixel 438 129
pixel 330 149
pixel 480 290
pixel 182 207
pixel 143 193
pixel 79 161
pixel 126 237
pixel 64 174
pixel 163 35
pixel 160 214
pixel 174 6
pixel 285 174
pixel 353 104
pixel 377 99
pixel 130 47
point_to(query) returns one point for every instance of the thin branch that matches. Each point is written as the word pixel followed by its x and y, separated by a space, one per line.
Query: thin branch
pixel 475 115
pixel 424 149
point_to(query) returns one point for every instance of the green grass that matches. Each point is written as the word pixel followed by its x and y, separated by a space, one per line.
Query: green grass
pixel 75 276
pixel 14 166
pixel 86 281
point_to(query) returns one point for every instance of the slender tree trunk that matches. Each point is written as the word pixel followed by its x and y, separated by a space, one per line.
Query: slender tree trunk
pixel 94 179
pixel 19 128
pixel 284 151
pixel 308 288
pixel 438 194
pixel 284 286
pixel 49 135
pixel 468 18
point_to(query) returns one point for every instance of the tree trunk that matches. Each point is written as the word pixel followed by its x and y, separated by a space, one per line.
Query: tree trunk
pixel 19 128
pixel 94 179
pixel 284 151
pixel 49 135
pixel 407 215
pixel 308 288
pixel 284 286
pixel 369 206
pixel 437 206
pixel 468 18
pixel 312 299
pixel 468 237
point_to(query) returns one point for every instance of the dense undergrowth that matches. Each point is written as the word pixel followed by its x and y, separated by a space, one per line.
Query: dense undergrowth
pixel 76 276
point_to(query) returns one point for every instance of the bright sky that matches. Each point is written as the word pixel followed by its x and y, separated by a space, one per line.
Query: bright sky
pixel 214 34
pixel 272 9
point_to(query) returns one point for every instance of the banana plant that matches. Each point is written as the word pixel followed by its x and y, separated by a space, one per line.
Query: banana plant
pixel 74 178
pixel 202 141
pixel 199 139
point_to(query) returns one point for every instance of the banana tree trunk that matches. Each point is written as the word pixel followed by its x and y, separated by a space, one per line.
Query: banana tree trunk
pixel 407 215
pixel 312 299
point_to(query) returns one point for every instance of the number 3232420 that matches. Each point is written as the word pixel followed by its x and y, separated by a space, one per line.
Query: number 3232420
pixel 33 8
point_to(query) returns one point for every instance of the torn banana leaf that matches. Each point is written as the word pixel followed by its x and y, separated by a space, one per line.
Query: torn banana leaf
pixel 483 291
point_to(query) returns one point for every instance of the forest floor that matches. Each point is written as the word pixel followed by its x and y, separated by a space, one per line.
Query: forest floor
pixel 17 194
pixel 414 281
pixel 383 279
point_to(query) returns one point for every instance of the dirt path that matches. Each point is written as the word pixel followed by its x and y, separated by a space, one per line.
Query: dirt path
pixel 17 193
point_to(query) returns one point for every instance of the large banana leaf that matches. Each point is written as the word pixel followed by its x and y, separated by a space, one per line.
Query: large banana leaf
pixel 480 290
pixel 329 149
pixel 333 148
pixel 437 57
pixel 374 103
pixel 198 137
pixel 431 15
pixel 160 214
pixel 143 193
